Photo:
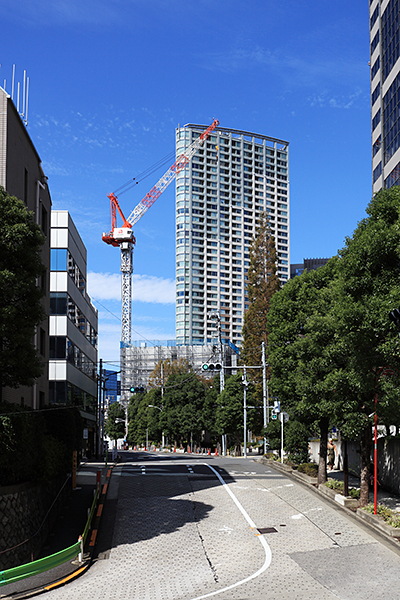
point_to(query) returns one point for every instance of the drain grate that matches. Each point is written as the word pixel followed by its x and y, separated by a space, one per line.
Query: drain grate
pixel 267 530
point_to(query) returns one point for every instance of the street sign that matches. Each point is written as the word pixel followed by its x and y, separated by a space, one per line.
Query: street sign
pixel 284 416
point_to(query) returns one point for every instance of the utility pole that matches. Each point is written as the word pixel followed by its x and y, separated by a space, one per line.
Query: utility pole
pixel 265 409
pixel 245 386
pixel 99 413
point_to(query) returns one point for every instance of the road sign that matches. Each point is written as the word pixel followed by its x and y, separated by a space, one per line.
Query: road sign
pixel 284 416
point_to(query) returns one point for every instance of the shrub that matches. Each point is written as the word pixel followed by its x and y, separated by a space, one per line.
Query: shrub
pixel 335 484
pixel 310 469
pixel 271 456
pixel 389 516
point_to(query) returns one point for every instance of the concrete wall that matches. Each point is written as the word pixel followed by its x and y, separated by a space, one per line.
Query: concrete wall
pixel 389 463
pixel 22 510
pixel 388 460
pixel 353 453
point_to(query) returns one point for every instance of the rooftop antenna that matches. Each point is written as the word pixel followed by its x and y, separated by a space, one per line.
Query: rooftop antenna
pixel 12 84
pixel 18 97
pixel 23 96
pixel 27 94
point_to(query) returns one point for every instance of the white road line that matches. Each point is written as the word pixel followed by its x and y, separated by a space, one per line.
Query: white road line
pixel 267 549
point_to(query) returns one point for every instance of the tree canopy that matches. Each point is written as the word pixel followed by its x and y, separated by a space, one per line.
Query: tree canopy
pixel 20 297
pixel 330 337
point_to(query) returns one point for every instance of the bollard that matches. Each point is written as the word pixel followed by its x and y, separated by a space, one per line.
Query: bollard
pixel 190 452
pixel 174 449
pixel 80 555
pixel 208 453
pixel 216 453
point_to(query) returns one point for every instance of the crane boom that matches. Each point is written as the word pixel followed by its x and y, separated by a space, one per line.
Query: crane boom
pixel 124 233
pixel 169 176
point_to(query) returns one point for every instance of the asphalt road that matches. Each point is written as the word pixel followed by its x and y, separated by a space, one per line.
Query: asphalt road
pixel 184 527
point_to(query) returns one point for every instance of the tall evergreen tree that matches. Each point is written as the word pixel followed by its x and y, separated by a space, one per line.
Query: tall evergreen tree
pixel 262 284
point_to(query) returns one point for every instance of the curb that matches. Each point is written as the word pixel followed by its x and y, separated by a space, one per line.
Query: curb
pixel 368 520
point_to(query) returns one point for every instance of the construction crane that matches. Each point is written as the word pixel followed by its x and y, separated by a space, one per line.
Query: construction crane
pixel 123 236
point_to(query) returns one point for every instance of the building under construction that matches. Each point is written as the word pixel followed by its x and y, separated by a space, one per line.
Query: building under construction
pixel 139 359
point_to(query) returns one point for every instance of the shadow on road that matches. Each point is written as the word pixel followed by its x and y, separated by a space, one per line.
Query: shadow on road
pixel 144 507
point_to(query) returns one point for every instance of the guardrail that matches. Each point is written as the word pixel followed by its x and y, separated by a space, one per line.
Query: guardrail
pixel 54 560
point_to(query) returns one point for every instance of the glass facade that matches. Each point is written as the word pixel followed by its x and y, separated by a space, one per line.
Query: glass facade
pixel 385 91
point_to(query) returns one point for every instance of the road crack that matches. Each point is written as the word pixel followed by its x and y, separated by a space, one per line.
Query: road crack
pixel 195 520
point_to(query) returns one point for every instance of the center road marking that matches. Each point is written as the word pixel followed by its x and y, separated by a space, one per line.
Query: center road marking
pixel 267 549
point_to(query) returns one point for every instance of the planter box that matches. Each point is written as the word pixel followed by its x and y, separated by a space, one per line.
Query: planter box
pixel 306 478
pixel 377 522
pixel 346 501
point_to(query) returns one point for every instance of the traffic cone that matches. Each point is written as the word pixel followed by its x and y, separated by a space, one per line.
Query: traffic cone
pixel 208 453
pixel 174 449
pixel 216 452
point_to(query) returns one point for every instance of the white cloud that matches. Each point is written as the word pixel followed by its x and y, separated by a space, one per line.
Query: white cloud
pixel 145 288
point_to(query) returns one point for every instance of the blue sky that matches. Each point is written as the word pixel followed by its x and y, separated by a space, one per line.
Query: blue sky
pixel 111 79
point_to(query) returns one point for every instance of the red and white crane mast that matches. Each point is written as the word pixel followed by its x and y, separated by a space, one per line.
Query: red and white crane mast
pixel 123 236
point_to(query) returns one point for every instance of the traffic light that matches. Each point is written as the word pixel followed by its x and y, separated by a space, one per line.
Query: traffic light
pixel 276 409
pixel 137 390
pixel 211 366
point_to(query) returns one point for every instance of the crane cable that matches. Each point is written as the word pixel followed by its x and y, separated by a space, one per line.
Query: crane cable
pixel 135 180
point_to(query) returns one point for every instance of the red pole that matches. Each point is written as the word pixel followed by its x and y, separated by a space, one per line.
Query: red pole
pixel 376 453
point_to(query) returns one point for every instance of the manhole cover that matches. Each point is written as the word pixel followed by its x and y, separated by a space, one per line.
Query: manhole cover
pixel 267 530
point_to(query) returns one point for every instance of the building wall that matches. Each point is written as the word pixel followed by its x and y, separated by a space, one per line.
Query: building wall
pixel 219 197
pixel 22 176
pixel 385 93
pixel 311 264
pixel 73 324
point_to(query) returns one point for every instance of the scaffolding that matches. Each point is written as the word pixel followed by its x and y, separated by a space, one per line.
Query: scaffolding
pixel 139 359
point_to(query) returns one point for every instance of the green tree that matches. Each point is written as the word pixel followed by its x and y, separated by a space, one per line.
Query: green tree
pixel 115 430
pixel 183 404
pixel 303 352
pixel 368 270
pixel 20 297
pixel 262 283
pixel 144 419
pixel 230 412
pixel 331 340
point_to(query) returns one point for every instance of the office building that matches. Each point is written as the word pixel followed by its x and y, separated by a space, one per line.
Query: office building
pixel 220 194
pixel 384 26
pixel 311 264
pixel 73 326
pixel 21 175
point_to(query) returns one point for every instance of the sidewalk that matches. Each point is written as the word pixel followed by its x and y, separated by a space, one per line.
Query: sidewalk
pixel 65 532
pixel 387 498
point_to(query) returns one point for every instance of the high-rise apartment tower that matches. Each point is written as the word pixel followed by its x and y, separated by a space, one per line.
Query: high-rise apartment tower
pixel 220 195
pixel 384 24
